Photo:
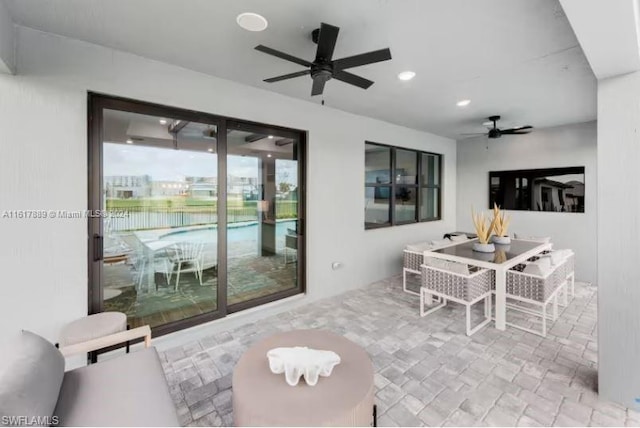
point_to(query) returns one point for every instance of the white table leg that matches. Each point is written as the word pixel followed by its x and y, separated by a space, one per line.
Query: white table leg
pixel 501 298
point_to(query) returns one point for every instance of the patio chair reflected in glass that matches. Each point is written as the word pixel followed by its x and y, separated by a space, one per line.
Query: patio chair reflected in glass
pixel 185 257
pixel 136 257
pixel 290 244
pixel 115 250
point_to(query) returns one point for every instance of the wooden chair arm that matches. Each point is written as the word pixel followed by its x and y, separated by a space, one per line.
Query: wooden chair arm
pixel 110 340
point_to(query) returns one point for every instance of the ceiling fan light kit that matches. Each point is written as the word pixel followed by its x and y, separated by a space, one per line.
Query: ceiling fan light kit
pixel 324 67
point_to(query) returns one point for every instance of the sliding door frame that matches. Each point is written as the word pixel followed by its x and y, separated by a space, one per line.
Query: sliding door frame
pixel 97 103
pixel 299 139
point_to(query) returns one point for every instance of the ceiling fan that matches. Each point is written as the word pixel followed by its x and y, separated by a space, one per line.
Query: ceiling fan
pixel 324 68
pixel 496 132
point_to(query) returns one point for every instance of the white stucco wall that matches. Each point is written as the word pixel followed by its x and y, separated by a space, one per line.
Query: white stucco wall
pixel 43 158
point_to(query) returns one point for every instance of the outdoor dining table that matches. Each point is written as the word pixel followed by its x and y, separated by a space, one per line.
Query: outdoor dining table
pixel 504 258
pixel 150 248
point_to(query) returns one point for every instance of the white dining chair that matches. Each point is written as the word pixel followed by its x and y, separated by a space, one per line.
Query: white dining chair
pixel 185 257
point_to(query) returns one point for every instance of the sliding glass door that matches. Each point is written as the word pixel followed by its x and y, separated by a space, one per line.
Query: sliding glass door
pixel 159 186
pixel 196 216
pixel 262 214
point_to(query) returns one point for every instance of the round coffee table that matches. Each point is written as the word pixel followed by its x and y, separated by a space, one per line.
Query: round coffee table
pixel 261 398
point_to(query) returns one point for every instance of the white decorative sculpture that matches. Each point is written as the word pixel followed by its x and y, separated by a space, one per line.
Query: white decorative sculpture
pixel 299 361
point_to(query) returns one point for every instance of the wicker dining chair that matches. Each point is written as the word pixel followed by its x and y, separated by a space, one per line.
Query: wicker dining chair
pixel 412 260
pixel 464 288
pixel 413 257
pixel 536 291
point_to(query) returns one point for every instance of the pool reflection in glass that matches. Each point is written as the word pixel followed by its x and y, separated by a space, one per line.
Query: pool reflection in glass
pixel 262 188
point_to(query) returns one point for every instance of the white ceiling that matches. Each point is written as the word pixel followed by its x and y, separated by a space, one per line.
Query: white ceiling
pixel 516 58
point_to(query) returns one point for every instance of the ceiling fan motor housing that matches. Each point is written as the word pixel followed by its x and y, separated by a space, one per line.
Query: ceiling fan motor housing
pixel 315 35
pixel 321 71
pixel 495 133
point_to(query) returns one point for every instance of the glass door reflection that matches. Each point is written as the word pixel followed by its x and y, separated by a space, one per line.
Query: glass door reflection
pixel 160 237
pixel 262 215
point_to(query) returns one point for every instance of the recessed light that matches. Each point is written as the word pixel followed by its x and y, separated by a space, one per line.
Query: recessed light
pixel 270 136
pixel 406 75
pixel 252 21
pixel 463 103
pixel 129 141
pixel 163 121
pixel 269 155
pixel 210 150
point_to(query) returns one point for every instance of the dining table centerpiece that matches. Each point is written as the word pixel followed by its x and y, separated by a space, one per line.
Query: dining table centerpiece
pixel 501 227
pixel 484 231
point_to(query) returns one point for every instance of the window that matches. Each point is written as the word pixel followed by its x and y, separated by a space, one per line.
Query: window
pixel 402 186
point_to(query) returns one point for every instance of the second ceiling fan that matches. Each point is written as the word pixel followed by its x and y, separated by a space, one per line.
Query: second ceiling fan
pixel 324 67
pixel 495 132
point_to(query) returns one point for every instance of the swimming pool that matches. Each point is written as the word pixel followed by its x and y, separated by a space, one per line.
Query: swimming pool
pixel 235 233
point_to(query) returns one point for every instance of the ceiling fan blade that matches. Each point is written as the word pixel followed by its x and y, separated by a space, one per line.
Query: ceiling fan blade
pixel 326 41
pixel 283 55
pixel 362 59
pixel 514 133
pixel 473 133
pixel 287 76
pixel 318 86
pixel 517 131
pixel 352 79
pixel 520 128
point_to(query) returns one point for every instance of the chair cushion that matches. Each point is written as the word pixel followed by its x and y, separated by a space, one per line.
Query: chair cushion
pixel 441 242
pixel 563 254
pixel 130 390
pixel 448 266
pixel 541 267
pixel 460 268
pixel 419 247
pixel 93 327
pixel 436 263
pixel 31 372
pixel 541 239
pixel 556 257
pixel 459 238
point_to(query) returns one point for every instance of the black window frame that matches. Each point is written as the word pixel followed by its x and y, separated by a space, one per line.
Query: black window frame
pixel 418 186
